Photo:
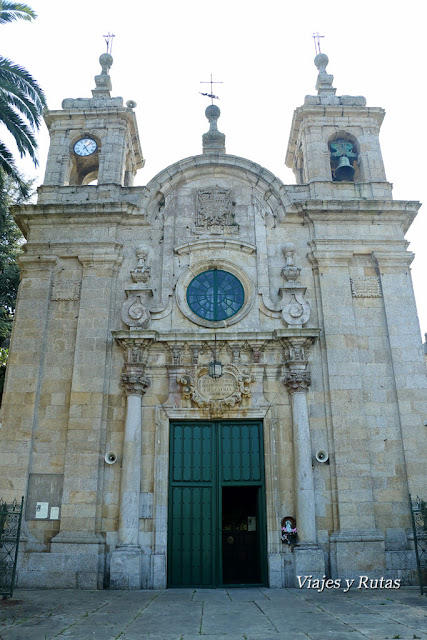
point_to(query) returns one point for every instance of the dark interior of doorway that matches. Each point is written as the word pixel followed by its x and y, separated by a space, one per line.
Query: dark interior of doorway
pixel 240 536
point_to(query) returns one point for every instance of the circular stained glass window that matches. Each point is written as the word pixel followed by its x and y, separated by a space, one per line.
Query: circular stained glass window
pixel 215 295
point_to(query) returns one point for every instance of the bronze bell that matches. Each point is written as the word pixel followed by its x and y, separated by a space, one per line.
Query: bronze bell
pixel 344 170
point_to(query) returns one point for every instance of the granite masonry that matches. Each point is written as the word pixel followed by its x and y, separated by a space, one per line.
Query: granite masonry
pixel 300 296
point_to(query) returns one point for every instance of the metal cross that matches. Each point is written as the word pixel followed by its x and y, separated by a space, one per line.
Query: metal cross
pixel 210 95
pixel 316 38
pixel 109 40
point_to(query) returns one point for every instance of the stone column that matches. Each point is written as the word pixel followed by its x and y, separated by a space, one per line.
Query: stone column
pixel 308 558
pixel 297 383
pixel 125 568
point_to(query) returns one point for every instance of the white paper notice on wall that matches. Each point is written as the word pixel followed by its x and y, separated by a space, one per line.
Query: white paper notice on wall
pixel 54 513
pixel 251 523
pixel 42 510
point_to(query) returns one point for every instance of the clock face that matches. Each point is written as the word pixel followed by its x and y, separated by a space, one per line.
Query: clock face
pixel 85 147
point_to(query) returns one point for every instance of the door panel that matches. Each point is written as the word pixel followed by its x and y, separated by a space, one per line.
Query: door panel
pixel 240 452
pixel 206 459
pixel 191 561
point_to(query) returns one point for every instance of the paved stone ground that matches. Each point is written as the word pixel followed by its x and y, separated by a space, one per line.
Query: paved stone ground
pixel 219 614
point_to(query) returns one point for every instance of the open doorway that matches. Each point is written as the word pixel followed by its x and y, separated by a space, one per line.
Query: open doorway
pixel 240 535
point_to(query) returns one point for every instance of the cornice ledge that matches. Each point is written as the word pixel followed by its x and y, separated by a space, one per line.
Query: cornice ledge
pixel 363 206
pixel 74 208
pixel 208 243
pixel 385 258
pixel 197 336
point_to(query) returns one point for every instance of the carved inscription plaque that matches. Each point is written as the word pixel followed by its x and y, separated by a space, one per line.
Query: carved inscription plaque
pixel 65 290
pixel 217 388
pixel 368 287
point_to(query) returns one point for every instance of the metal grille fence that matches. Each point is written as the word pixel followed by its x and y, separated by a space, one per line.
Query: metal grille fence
pixel 10 529
pixel 419 528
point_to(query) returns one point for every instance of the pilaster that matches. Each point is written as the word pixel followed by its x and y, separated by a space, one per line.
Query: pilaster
pixel 79 533
pixel 407 360
pixel 19 411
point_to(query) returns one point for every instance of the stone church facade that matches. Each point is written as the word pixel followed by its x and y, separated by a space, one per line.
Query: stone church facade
pixel 201 361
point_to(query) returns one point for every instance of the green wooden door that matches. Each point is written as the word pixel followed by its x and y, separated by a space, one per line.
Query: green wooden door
pixel 206 458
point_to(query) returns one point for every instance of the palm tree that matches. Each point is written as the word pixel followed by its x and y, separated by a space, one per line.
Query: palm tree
pixel 21 100
pixel 10 11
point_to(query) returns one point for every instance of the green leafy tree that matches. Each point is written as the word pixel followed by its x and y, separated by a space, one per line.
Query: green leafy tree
pixel 11 241
pixel 21 100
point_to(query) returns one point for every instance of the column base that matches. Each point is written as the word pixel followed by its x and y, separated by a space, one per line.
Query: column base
pixel 309 560
pixel 358 552
pixel 75 561
pixel 125 568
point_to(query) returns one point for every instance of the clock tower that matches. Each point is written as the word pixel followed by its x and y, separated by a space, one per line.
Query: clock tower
pixel 94 140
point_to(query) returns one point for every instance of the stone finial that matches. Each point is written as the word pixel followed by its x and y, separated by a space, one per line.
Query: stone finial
pixel 324 79
pixel 213 140
pixel 290 272
pixel 103 80
pixel 142 272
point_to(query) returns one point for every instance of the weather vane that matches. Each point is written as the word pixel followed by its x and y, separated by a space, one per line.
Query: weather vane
pixel 109 40
pixel 210 95
pixel 316 38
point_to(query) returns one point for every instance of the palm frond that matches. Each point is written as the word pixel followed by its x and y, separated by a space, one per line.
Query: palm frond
pixel 12 73
pixel 18 127
pixel 19 101
pixel 11 11
pixel 7 164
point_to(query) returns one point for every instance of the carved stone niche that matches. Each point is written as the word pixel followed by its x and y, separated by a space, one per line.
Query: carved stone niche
pixel 291 306
pixel 217 395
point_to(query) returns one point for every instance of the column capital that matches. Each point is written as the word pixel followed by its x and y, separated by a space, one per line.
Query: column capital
pixel 134 380
pixel 297 381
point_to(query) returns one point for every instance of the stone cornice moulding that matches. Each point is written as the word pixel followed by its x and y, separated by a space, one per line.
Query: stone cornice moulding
pixel 36 262
pixel 93 259
pixel 392 259
pixel 70 209
pixel 142 336
pixel 371 211
pixel 206 244
pixel 339 251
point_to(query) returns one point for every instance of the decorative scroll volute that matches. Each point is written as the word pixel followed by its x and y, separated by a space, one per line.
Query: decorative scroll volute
pixel 291 306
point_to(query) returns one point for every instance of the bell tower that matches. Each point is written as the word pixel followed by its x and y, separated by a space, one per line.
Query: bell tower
pixel 335 139
pixel 94 140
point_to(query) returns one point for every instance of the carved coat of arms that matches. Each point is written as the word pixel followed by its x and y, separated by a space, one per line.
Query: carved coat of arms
pixel 213 207
pixel 216 395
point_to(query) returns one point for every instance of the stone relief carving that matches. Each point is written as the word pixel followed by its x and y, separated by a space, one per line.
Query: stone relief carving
pixel 291 306
pixel 213 207
pixel 367 287
pixel 216 394
pixel 138 309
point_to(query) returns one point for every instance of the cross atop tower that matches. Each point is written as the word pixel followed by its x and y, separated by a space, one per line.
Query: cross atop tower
pixel 109 41
pixel 316 38
pixel 211 82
